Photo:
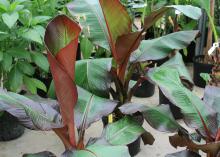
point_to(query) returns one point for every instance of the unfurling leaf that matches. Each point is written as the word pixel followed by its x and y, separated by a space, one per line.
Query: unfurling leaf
pixel 61 39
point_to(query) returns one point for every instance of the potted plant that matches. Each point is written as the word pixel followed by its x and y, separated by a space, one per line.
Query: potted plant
pixel 107 24
pixel 205 63
pixel 76 107
pixel 21 36
pixel 201 115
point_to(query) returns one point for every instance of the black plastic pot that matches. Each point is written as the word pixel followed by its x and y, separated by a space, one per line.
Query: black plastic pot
pixel 174 109
pixel 198 68
pixel 146 89
pixel 134 147
pixel 191 53
pixel 9 127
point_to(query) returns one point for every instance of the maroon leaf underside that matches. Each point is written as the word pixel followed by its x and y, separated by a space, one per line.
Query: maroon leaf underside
pixel 125 45
pixel 61 39
pixel 66 92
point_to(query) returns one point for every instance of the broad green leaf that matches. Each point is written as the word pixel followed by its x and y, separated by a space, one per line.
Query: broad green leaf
pixel 15 79
pixel 6 62
pixel 196 114
pixel 99 151
pixel 159 117
pixel 93 75
pixel 26 68
pixel 86 48
pixel 177 63
pixel 40 60
pixel 91 108
pixel 10 19
pixel 90 17
pixel 32 114
pixel 159 48
pixel 19 53
pixel 33 84
pixel 122 132
pixel 39 19
pixel 32 35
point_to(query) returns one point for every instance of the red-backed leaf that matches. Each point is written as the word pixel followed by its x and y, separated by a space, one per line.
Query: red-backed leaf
pixel 66 93
pixel 118 22
pixel 125 45
pixel 61 39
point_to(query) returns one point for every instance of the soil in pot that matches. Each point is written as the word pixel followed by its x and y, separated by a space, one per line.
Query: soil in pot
pixel 198 68
pixel 9 127
pixel 174 109
pixel 146 89
pixel 134 147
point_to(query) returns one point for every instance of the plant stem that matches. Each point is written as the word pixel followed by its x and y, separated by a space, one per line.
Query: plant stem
pixel 213 27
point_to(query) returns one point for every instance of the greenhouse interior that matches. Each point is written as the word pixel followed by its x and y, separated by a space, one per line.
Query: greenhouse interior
pixel 109 78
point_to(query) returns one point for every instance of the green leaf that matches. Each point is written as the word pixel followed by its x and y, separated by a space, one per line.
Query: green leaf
pixel 177 63
pixel 206 77
pixel 91 108
pixel 122 132
pixel 25 17
pixel 159 117
pixel 32 35
pixel 86 48
pixel 51 91
pixel 159 48
pixel 4 5
pixel 32 84
pixel 26 68
pixel 39 19
pixel 99 151
pixel 1 56
pixel 40 60
pixel 15 79
pixel 10 19
pixel 205 4
pixel 91 19
pixel 197 115
pixel 6 62
pixel 19 53
pixel 93 75
pixel 32 114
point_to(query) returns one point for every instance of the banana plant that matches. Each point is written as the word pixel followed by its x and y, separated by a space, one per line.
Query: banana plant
pixel 201 115
pixel 75 108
